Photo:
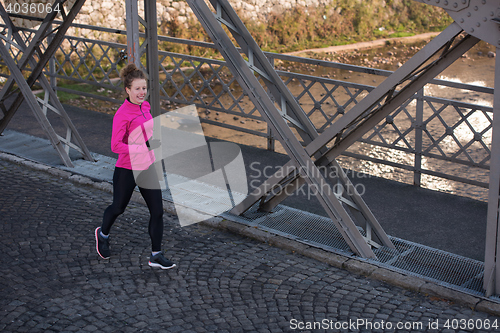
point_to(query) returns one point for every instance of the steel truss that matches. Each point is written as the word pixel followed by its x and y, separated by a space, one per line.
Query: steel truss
pixel 22 54
pixel 491 264
pixel 474 20
pixel 280 109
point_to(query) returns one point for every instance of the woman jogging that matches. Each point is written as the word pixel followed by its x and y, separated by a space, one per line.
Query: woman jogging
pixel 131 140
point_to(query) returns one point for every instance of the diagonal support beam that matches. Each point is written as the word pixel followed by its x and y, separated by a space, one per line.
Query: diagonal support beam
pixel 61 144
pixel 386 90
pixel 25 58
pixel 244 73
pixel 377 114
pixel 33 104
pixel 49 52
pixel 372 109
pixel 258 62
pixel 49 92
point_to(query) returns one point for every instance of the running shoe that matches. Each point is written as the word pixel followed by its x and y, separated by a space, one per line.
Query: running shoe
pixel 102 244
pixel 159 260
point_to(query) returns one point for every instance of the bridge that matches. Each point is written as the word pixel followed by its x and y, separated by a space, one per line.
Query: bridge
pixel 309 148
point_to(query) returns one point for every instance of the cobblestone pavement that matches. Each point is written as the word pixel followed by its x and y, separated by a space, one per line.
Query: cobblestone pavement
pixel 52 280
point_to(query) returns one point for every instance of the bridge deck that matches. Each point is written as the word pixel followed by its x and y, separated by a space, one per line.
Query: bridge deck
pixel 413 214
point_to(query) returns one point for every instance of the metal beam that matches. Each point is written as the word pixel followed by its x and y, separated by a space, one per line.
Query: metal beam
pixel 61 144
pixel 367 122
pixel 27 55
pixel 381 91
pixel 49 90
pixel 32 102
pixel 258 62
pixel 356 117
pixel 365 115
pixel 481 19
pixel 149 49
pixel 244 71
pixel 491 267
pixel 133 42
pixel 152 67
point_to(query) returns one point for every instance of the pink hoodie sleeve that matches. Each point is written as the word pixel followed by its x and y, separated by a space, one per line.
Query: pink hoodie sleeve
pixel 119 136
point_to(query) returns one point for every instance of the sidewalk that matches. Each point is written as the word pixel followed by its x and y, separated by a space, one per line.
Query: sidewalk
pixel 366 45
pixel 441 221
pixel 53 280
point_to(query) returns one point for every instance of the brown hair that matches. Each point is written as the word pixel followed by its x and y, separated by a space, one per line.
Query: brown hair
pixel 130 73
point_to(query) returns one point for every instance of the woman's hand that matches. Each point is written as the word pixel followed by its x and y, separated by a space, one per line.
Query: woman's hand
pixel 153 144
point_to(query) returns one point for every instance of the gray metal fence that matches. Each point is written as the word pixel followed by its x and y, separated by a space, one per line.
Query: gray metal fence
pixel 427 135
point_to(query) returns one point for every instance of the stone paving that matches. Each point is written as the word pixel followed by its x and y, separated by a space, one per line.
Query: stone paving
pixel 52 280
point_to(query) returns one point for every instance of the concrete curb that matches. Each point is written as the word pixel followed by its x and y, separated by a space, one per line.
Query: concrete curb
pixel 360 267
pixel 352 264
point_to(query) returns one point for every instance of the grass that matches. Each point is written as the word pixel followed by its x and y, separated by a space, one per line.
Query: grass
pixel 65 97
pixel 356 22
pixel 342 22
pixel 401 34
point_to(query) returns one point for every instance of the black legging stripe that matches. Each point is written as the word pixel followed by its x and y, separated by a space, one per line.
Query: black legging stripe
pixel 123 187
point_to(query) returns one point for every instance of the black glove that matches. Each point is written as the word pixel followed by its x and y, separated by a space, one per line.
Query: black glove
pixel 153 144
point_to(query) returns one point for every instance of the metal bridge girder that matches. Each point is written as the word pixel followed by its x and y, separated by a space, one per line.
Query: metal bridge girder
pixel 481 19
pixel 148 47
pixel 491 266
pixel 478 18
pixel 71 138
pixel 305 168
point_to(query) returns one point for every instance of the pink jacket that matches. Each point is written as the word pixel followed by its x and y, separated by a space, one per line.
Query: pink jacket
pixel 132 127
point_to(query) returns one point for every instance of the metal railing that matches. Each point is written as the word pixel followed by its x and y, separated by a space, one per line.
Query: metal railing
pixel 427 135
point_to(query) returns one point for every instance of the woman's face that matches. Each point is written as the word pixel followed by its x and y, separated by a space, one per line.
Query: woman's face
pixel 137 91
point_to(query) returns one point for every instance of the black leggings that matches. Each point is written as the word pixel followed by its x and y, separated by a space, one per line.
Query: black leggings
pixel 123 187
